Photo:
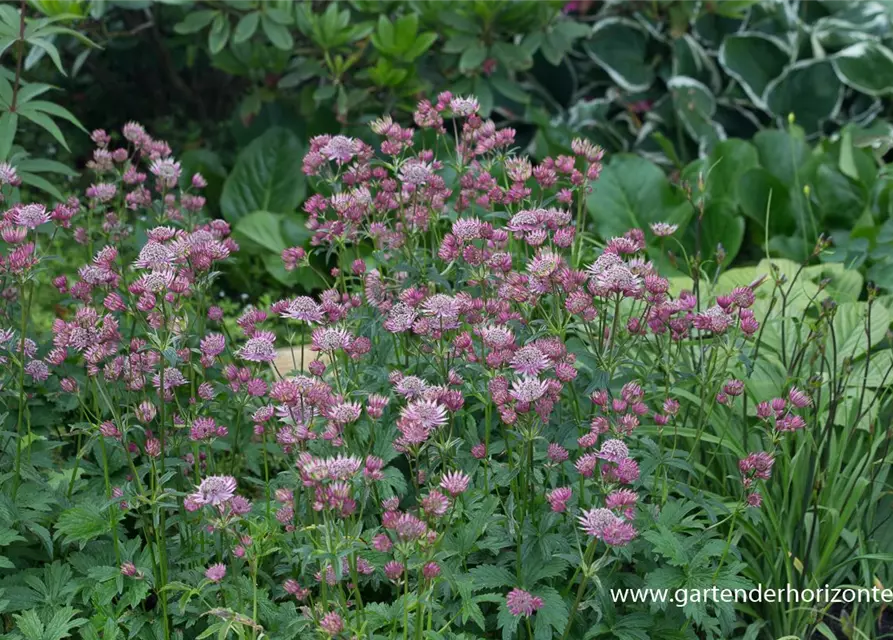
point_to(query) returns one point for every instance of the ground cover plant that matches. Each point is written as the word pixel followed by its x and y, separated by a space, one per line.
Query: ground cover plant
pixel 483 423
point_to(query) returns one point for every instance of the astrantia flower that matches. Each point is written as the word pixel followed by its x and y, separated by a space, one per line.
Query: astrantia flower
pixel 344 412
pixel 613 451
pixel 558 499
pixel 340 148
pixel 528 389
pixel 216 572
pixel 400 318
pixel 663 229
pixel 31 216
pixel 215 490
pixel 594 521
pixel 464 106
pixel 435 504
pixel 428 413
pixel 259 348
pixel 522 603
pixel 415 172
pixel 714 319
pixel 329 339
pixel 497 337
pixel 167 171
pixel 618 533
pixel 799 398
pixel 454 482
pixel 304 308
pixel 529 361
pixel 331 623
pixel 441 306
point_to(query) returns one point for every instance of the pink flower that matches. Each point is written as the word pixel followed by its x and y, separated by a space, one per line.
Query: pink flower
pixel 455 482
pixel 259 348
pixel 558 499
pixel 522 603
pixel 331 624
pixel 216 572
pixel 215 490
pixel 393 570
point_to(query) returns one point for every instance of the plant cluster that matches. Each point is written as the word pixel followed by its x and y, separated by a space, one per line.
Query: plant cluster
pixel 485 421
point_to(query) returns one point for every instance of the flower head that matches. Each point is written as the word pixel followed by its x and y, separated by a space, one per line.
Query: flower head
pixel 522 603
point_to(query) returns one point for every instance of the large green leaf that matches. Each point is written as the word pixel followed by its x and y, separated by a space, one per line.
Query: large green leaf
pixel 841 199
pixel 695 106
pixel 728 160
pixel 810 90
pixel 866 67
pixel 618 46
pixel 761 196
pixel 633 192
pixel 782 153
pixel 754 60
pixel 721 226
pixel 267 177
pixel 262 228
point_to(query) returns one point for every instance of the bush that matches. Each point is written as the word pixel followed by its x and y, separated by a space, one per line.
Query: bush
pixel 483 425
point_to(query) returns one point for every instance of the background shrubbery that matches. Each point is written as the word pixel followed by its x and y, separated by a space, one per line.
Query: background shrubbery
pixel 712 284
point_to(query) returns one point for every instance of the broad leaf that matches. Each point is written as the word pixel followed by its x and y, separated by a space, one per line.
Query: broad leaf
pixel 267 177
pixel 633 192
pixel 618 46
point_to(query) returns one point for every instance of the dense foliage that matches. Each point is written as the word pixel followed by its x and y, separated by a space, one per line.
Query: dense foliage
pixel 391 325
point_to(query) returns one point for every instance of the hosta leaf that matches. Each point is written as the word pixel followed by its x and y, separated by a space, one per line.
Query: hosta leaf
pixel 695 106
pixel 866 67
pixel 618 46
pixel 754 60
pixel 267 177
pixel 632 193
pixel 810 90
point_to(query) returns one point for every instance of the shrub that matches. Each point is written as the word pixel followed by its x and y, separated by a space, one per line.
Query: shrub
pixel 500 420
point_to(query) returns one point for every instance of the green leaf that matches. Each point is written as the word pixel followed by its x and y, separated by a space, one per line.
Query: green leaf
pixel 488 576
pixel 473 57
pixel 195 21
pixel 56 110
pixel 246 27
pixel 40 119
pixel 218 36
pixel 405 30
pixel 419 46
pixel 760 192
pixel 810 90
pixel 720 226
pixel 30 625
pixel 8 123
pixel 278 35
pixel 552 618
pixel 267 176
pixel 618 45
pixel 632 193
pixel 264 229
pixel 842 200
pixel 781 152
pixel 81 524
pixel 754 60
pixel 695 106
pixel 866 67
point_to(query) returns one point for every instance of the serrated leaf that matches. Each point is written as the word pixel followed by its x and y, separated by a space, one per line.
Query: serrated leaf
pixel 488 576
pixel 81 524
